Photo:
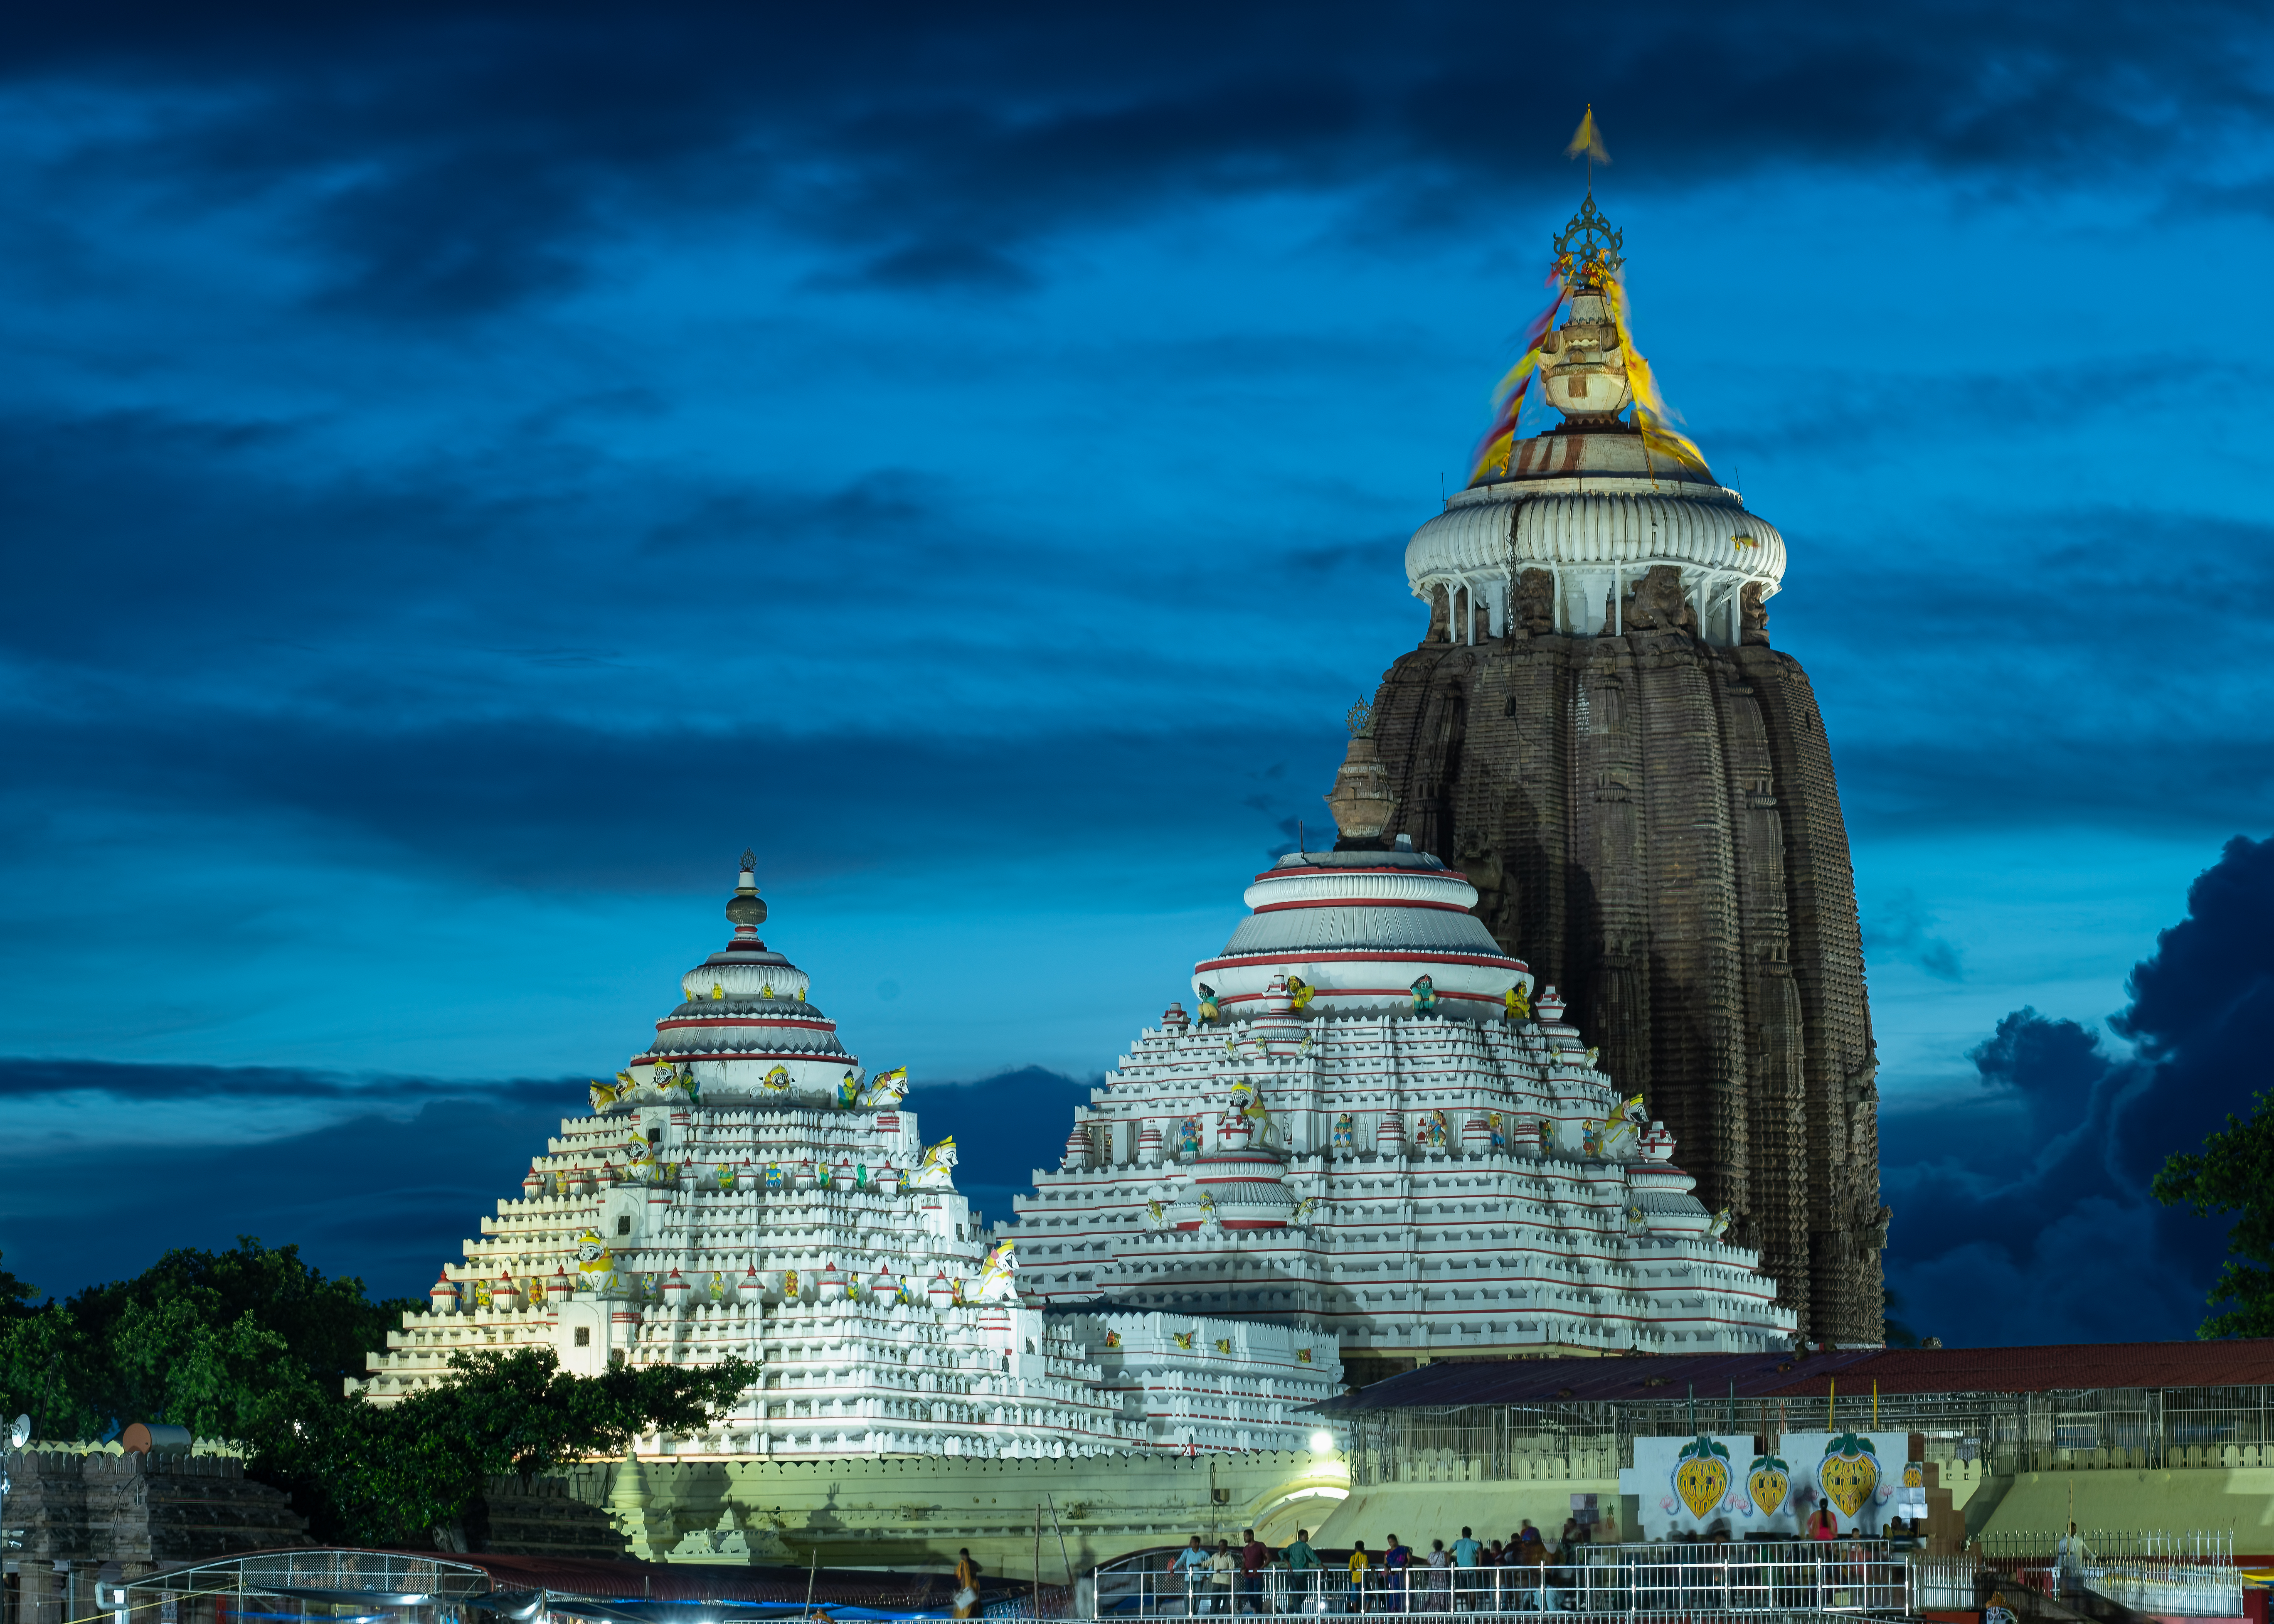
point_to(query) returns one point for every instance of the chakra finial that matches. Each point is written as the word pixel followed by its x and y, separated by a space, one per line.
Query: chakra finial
pixel 1587 250
pixel 749 860
pixel 1360 720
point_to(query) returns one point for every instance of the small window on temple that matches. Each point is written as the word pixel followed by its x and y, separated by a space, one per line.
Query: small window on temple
pixel 655 1136
pixel 584 1337
pixel 623 1224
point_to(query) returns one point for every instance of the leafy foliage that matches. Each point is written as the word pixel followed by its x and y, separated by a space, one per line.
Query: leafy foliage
pixel 15 1297
pixel 392 1475
pixel 2233 1173
pixel 228 1344
pixel 253 1346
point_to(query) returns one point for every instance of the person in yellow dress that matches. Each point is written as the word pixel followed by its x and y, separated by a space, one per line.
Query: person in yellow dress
pixel 1359 1566
pixel 967 1585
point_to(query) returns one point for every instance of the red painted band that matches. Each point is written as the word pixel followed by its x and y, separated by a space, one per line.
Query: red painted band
pixel 1307 873
pixel 1361 902
pixel 724 1020
pixel 1388 955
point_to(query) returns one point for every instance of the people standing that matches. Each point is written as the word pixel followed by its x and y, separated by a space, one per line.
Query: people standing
pixel 2069 1561
pixel 1394 1561
pixel 1360 1570
pixel 1254 1557
pixel 967 1585
pixel 1467 1557
pixel 1302 1566
pixel 1440 1578
pixel 1190 1565
pixel 1224 1575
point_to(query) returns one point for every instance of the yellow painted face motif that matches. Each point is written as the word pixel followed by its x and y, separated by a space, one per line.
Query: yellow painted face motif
pixel 1701 1475
pixel 1849 1473
pixel 1767 1484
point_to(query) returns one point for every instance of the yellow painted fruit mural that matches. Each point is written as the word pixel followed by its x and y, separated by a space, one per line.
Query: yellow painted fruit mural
pixel 1767 1483
pixel 1914 1475
pixel 1701 1475
pixel 1849 1472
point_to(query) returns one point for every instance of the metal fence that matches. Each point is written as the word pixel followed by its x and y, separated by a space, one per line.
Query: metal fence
pixel 2178 1574
pixel 2133 1428
pixel 1695 1582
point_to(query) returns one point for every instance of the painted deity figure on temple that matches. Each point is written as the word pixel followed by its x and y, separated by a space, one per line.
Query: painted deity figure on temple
pixel 1345 1134
pixel 1188 1137
pixel 1432 1130
pixel 1425 996
pixel 1515 1003
pixel 1499 1138
pixel 1210 1010
pixel 1247 1107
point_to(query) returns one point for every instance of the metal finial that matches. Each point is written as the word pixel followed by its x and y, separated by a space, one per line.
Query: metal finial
pixel 1360 719
pixel 1587 250
pixel 749 861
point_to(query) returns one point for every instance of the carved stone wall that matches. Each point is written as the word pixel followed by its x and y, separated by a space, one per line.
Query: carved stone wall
pixel 1656 830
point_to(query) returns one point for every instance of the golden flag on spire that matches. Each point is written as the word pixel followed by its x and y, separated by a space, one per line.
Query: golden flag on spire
pixel 1588 139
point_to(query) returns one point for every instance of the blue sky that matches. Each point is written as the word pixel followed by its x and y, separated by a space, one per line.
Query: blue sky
pixel 467 471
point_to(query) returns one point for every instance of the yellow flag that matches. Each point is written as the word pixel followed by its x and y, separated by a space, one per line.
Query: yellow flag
pixel 1588 139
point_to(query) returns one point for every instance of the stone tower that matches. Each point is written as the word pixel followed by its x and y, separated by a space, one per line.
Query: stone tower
pixel 1595 730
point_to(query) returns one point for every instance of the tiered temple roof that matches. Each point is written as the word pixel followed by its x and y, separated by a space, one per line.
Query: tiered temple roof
pixel 1372 1130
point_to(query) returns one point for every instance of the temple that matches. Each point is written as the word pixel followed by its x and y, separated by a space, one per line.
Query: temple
pixel 1595 729
pixel 743 1187
pixel 1372 1128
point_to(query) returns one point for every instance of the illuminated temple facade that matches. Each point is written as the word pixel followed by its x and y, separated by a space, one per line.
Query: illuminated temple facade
pixel 1369 1126
pixel 743 1187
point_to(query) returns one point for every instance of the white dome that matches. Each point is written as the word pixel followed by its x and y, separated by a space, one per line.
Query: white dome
pixel 1494 527
pixel 1360 929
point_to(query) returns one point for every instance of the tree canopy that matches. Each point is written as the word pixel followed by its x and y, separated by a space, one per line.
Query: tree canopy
pixel 253 1346
pixel 2233 1173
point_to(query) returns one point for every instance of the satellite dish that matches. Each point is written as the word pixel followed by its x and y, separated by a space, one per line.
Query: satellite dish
pixel 19 1432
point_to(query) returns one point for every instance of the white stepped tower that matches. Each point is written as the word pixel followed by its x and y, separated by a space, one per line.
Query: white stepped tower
pixel 1373 1131
pixel 743 1189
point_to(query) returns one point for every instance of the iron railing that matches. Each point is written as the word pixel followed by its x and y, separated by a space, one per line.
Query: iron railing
pixel 1626 1582
pixel 2170 1573
pixel 2129 1428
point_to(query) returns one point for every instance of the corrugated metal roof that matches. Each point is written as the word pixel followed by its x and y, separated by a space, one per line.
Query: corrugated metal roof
pixel 1895 1370
pixel 1544 1381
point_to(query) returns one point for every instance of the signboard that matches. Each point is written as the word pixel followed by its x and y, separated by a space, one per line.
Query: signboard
pixel 1693 1485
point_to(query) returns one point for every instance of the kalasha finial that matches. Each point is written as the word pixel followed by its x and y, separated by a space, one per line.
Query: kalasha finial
pixel 1360 720
pixel 744 907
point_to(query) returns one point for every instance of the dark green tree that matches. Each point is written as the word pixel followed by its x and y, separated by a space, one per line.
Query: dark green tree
pixel 221 1343
pixel 415 1472
pixel 15 1297
pixel 2233 1173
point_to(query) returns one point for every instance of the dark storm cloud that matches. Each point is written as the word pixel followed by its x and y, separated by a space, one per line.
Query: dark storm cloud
pixel 1898 927
pixel 2067 707
pixel 451 160
pixel 2014 1214
pixel 533 801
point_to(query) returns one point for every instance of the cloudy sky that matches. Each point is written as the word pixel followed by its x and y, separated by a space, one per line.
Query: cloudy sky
pixel 468 470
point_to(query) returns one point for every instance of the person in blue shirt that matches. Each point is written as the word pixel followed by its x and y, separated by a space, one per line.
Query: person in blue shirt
pixel 1466 1553
pixel 1191 1568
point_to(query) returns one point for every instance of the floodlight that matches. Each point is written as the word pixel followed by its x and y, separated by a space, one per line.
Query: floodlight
pixel 1322 1443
